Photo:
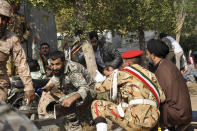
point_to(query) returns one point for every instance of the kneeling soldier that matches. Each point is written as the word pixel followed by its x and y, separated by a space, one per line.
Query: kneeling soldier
pixel 135 94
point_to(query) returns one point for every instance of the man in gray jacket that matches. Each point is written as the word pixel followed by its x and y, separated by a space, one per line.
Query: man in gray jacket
pixel 105 54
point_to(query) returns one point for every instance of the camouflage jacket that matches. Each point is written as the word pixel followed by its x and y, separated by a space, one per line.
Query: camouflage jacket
pixel 18 25
pixel 13 120
pixel 10 45
pixel 75 79
pixel 130 87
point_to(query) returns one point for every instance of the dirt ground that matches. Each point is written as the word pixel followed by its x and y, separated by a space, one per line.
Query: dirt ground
pixel 193 95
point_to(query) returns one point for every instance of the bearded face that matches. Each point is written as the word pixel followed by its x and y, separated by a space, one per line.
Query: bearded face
pixel 149 58
pixel 57 66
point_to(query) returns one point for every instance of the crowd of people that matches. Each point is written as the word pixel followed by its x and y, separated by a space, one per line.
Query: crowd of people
pixel 138 99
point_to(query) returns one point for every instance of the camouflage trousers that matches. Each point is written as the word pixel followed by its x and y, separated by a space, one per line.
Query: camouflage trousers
pixel 4 85
pixel 107 109
pixel 13 120
pixel 43 112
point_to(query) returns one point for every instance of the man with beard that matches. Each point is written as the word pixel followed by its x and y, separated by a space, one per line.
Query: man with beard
pixel 70 85
pixel 105 54
pixel 176 113
pixel 41 55
pixel 10 45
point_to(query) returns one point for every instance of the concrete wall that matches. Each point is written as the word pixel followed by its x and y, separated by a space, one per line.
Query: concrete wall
pixel 42 23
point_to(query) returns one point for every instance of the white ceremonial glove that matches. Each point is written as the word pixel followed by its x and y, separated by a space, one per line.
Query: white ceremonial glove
pixel 99 77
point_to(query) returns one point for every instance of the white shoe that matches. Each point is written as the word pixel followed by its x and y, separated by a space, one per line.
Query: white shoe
pixel 101 127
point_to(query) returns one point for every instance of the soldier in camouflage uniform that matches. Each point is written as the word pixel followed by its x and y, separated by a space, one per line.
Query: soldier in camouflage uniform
pixel 10 45
pixel 135 95
pixel 71 84
pixel 17 25
pixel 13 120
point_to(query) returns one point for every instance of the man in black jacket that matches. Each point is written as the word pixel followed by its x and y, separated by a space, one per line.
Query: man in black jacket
pixel 105 54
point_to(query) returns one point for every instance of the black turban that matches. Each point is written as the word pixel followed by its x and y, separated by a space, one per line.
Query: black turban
pixel 157 47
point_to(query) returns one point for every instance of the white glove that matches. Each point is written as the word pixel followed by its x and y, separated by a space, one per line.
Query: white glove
pixel 99 77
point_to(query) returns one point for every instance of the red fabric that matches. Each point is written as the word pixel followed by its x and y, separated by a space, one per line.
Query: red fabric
pixel 96 107
pixel 115 114
pixel 131 54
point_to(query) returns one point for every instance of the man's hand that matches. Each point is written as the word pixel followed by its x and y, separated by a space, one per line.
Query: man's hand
pixel 30 96
pixel 108 70
pixel 70 100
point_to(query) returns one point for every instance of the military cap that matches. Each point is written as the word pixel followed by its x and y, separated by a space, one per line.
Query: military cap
pixel 5 8
pixel 131 54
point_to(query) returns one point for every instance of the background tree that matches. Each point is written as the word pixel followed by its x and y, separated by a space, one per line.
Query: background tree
pixel 189 31
pixel 124 15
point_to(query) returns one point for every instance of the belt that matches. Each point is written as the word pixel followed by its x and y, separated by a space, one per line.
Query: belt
pixel 135 102
pixel 143 101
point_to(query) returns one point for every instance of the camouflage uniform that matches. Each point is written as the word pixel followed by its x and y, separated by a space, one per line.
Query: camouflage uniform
pixel 138 117
pixel 13 120
pixel 10 45
pixel 17 25
pixel 75 80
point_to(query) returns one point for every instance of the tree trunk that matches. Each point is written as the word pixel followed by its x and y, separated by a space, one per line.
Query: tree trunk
pixel 89 58
pixel 141 37
pixel 86 46
pixel 180 15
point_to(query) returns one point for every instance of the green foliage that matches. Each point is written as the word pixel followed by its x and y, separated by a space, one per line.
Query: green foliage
pixel 125 15
pixel 190 25
pixel 115 15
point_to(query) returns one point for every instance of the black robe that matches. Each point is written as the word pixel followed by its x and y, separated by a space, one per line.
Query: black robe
pixel 177 108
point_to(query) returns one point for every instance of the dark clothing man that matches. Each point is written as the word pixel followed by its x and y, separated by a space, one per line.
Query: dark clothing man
pixel 176 110
pixel 105 54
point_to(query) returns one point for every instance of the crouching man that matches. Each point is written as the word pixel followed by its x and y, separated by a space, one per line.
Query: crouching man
pixel 70 84
pixel 135 95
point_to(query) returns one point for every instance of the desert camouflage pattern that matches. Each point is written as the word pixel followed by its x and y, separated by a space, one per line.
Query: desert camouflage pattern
pixel 13 120
pixel 17 25
pixel 5 8
pixel 76 79
pixel 137 117
pixel 4 85
pixel 10 45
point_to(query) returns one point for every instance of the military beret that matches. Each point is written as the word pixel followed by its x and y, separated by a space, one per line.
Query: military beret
pixel 131 54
